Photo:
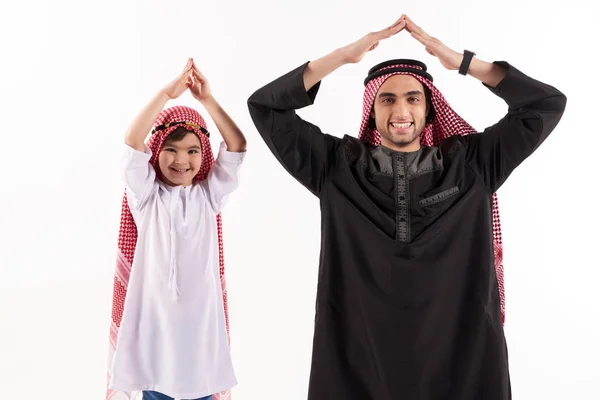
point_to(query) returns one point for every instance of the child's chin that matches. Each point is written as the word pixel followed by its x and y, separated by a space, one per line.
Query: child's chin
pixel 181 180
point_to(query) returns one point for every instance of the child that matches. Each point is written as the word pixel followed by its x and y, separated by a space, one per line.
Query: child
pixel 169 330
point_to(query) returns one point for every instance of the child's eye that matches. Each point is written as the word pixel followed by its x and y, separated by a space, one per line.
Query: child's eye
pixel 169 149
pixel 193 151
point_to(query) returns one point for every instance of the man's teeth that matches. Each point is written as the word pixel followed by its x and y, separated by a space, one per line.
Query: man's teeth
pixel 402 125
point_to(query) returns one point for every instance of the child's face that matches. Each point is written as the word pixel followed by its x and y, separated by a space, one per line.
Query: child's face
pixel 179 161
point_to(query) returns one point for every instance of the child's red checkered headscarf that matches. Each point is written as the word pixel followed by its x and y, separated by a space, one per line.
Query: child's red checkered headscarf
pixel 169 120
pixel 445 124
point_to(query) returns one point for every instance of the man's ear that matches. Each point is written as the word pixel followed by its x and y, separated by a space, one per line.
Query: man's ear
pixel 429 113
pixel 371 123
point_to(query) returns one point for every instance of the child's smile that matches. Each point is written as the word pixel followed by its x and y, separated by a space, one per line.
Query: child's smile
pixel 180 160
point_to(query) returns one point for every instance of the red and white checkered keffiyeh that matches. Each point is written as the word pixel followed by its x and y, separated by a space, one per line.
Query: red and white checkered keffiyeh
pixel 128 230
pixel 446 123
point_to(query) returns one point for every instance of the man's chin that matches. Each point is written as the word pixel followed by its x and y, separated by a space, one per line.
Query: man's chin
pixel 401 143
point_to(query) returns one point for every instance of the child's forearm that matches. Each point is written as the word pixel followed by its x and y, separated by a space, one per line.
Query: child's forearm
pixel 232 135
pixel 142 124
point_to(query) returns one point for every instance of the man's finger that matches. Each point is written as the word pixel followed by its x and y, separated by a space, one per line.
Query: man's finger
pixel 419 37
pixel 414 27
pixel 390 31
pixel 399 27
pixel 428 42
pixel 411 25
pixel 418 34
pixel 400 20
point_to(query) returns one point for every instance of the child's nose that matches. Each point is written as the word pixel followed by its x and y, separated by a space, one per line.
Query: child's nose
pixel 180 159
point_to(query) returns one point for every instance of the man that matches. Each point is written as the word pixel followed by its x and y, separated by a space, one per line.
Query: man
pixel 408 299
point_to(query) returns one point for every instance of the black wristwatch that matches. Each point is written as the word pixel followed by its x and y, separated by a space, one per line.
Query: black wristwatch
pixel 466 61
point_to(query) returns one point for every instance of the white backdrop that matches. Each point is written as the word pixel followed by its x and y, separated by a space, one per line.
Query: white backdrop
pixel 73 75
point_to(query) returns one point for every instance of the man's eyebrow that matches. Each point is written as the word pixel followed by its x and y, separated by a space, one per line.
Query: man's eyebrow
pixel 409 93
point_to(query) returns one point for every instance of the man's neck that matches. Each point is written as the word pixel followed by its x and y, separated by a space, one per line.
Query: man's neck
pixel 402 149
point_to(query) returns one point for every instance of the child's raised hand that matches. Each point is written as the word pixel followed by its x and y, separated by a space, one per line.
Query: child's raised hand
pixel 198 84
pixel 179 85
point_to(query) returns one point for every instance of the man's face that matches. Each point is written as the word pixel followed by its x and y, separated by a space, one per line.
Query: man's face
pixel 179 161
pixel 400 111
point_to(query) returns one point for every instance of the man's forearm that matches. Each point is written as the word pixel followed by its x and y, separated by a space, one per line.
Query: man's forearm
pixel 488 73
pixel 318 69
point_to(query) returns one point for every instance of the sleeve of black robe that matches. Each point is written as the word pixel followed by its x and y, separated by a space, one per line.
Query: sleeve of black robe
pixel 303 150
pixel 534 110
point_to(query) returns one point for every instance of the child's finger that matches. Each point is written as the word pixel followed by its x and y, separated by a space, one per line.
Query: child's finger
pixel 188 65
pixel 201 78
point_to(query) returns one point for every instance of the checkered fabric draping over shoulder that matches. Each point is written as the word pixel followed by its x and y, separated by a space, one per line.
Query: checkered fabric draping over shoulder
pixel 446 123
pixel 128 231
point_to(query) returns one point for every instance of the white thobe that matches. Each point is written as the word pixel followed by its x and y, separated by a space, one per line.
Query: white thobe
pixel 172 337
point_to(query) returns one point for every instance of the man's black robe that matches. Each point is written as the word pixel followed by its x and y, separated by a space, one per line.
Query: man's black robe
pixel 407 300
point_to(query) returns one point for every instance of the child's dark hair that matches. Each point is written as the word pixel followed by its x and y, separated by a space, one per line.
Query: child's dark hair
pixel 178 134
